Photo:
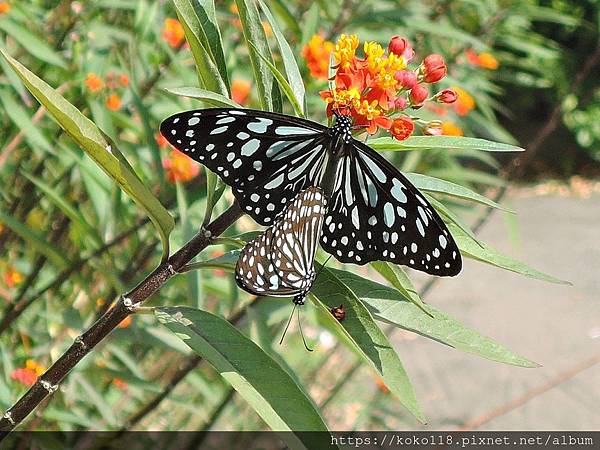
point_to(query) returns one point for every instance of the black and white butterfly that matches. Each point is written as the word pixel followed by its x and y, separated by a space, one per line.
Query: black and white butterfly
pixel 280 261
pixel 374 212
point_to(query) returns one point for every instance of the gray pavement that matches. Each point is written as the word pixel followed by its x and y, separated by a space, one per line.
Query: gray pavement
pixel 556 326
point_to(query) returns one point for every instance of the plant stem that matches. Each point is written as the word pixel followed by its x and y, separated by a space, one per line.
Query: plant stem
pixel 49 381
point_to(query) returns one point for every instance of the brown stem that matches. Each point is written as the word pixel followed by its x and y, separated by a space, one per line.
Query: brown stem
pixel 49 381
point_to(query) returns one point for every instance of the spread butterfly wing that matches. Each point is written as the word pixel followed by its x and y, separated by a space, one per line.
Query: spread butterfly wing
pixel 266 158
pixel 296 237
pixel 376 214
pixel 254 271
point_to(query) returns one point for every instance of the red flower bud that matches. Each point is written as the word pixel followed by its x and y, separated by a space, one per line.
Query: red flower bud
pixel 400 103
pixel 418 94
pixel 434 68
pixel 402 128
pixel 401 47
pixel 447 96
pixel 406 78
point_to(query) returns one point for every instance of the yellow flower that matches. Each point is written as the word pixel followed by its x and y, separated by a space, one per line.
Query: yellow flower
pixel 33 365
pixel 13 277
pixel 345 49
pixel 374 54
pixel 369 110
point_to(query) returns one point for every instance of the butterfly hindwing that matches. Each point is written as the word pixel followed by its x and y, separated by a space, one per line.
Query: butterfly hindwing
pixel 279 262
pixel 296 237
pixel 375 213
pixel 254 271
pixel 266 158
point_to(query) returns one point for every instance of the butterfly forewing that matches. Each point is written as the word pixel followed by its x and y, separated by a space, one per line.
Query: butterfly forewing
pixel 375 213
pixel 266 158
pixel 296 237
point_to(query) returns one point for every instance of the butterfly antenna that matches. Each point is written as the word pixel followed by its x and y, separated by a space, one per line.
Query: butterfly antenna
pixel 323 266
pixel 288 324
pixel 301 333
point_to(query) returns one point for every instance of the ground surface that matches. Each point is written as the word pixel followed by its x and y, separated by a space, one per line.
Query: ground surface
pixel 556 326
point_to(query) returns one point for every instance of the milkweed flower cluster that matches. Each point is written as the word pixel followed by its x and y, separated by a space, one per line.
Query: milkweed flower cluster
pixel 172 33
pixel 378 87
pixel 179 167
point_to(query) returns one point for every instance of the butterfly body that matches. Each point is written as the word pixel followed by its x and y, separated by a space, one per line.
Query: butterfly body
pixel 374 212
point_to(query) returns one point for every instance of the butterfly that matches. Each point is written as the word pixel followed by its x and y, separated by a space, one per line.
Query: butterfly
pixel 279 262
pixel 374 212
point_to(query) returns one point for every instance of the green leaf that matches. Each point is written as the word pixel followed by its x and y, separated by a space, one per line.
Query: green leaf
pixel 97 146
pixel 21 118
pixel 388 305
pixel 484 253
pixel 451 217
pixel 371 342
pixel 33 44
pixel 209 97
pixel 270 391
pixel 254 35
pixel 281 10
pixel 443 142
pixel 289 62
pixel 431 184
pixel 35 240
pixel 205 10
pixel 287 89
pixel 70 211
pixel 398 278
pixel 208 72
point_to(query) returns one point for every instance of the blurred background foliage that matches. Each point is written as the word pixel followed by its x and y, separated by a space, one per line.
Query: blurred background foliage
pixel 81 241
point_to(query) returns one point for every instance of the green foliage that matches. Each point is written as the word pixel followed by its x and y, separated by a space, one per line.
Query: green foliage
pixel 81 237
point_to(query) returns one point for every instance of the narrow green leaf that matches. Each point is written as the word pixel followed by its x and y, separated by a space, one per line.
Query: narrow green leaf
pixel 208 72
pixel 287 89
pixel 400 280
pixel 289 62
pixel 281 10
pixel 387 304
pixel 451 217
pixel 37 241
pixel 21 118
pixel 33 44
pixel 489 255
pixel 68 209
pixel 98 147
pixel 277 398
pixel 209 97
pixel 254 35
pixel 205 10
pixel 368 338
pixel 443 142
pixel 431 184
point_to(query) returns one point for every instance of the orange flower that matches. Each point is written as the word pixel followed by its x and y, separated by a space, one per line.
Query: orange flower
pixel 4 7
pixel 240 90
pixel 464 102
pixel 161 140
pixel 173 33
pixel 179 167
pixel 113 102
pixel 316 53
pixel 93 82
pixel 381 385
pixel 485 59
pixel 451 129
pixel 12 277
pixel 120 384
pixel 125 322
pixel 402 128
pixel 124 80
pixel 267 28
pixel 29 374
